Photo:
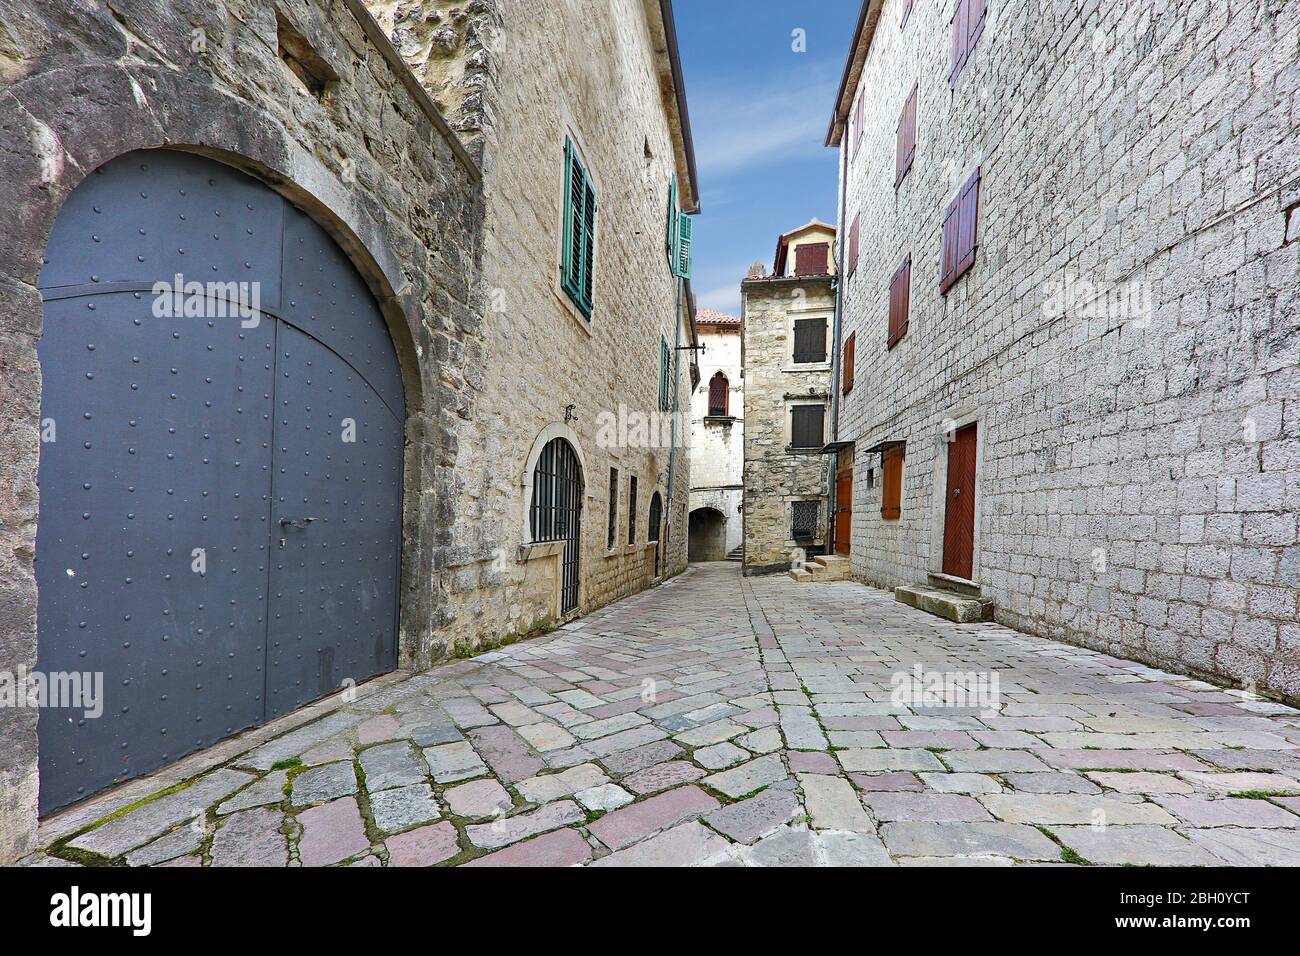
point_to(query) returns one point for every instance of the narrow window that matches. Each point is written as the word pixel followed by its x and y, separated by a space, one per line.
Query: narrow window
pixel 578 256
pixel 891 496
pixel 900 294
pixel 807 426
pixel 812 259
pixel 846 372
pixel 905 139
pixel 631 510
pixel 803 519
pixel 719 388
pixel 611 533
pixel 809 341
pixel 960 228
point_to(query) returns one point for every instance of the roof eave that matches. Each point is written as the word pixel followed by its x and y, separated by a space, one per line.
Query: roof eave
pixel 868 18
pixel 678 104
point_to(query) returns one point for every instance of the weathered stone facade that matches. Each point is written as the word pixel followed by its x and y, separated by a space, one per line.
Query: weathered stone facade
pixel 717 441
pixel 535 81
pixel 777 474
pixel 1127 340
pixel 310 97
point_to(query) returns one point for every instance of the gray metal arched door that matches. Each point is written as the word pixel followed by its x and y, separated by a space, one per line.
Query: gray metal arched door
pixel 221 467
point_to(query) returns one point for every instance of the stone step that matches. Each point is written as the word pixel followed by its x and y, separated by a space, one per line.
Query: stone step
pixel 801 575
pixel 962 608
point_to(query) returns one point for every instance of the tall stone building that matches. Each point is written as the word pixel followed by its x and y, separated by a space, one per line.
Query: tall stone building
pixel 786 322
pixel 316 385
pixel 1070 285
pixel 717 440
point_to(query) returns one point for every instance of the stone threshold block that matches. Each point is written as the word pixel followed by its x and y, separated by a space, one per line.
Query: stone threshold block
pixel 961 608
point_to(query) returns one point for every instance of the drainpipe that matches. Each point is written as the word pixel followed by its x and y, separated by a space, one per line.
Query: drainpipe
pixel 672 448
pixel 838 286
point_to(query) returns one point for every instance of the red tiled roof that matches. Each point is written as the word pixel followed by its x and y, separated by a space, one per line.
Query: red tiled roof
pixel 714 317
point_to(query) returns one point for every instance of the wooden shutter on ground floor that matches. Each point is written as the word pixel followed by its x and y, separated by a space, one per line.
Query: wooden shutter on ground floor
pixel 891 498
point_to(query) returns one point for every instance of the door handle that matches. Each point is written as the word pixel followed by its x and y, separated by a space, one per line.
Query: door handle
pixel 295 522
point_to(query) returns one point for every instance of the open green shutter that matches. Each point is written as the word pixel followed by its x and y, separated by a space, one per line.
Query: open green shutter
pixel 670 246
pixel 683 266
pixel 577 263
pixel 664 357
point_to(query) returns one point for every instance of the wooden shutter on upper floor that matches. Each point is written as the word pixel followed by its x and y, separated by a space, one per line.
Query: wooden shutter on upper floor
pixel 967 26
pixel 853 247
pixel 809 341
pixel 812 259
pixel 719 388
pixel 665 373
pixel 846 368
pixel 960 232
pixel 807 426
pixel 900 294
pixel 577 264
pixel 907 12
pixel 857 123
pixel 891 497
pixel 905 138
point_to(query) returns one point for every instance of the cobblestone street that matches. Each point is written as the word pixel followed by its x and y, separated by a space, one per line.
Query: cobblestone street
pixel 729 721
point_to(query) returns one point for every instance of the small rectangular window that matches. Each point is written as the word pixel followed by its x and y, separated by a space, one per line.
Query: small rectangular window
pixel 891 495
pixel 611 535
pixel 631 510
pixel 846 370
pixel 803 519
pixel 809 341
pixel 807 426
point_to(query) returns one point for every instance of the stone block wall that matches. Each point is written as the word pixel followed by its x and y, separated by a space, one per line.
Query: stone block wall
pixel 774 476
pixel 1128 339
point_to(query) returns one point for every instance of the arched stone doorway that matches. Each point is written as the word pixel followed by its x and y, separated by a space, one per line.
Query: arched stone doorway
pixel 708 535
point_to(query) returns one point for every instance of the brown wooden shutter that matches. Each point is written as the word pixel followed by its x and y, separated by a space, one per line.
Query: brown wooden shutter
pixel 976 14
pixel 891 498
pixel 948 262
pixel 968 213
pixel 960 38
pixel 853 247
pixel 900 293
pixel 905 138
pixel 846 370
pixel 857 124
pixel 907 12
pixel 811 258
pixel 718 389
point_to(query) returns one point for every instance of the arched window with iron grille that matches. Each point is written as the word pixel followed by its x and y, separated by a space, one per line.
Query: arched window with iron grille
pixel 719 389
pixel 556 511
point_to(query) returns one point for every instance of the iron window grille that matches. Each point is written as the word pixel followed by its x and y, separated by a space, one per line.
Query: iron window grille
pixel 803 519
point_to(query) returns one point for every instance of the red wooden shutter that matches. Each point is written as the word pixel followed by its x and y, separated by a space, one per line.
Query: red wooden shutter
pixel 975 16
pixel 905 141
pixel 968 213
pixel 846 371
pixel 960 39
pixel 811 258
pixel 907 12
pixel 948 262
pixel 853 247
pixel 718 395
pixel 891 498
pixel 900 296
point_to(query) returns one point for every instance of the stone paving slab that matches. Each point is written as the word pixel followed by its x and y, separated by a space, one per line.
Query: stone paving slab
pixel 727 721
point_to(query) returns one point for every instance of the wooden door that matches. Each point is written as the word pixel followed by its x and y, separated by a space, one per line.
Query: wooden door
pixel 843 507
pixel 959 515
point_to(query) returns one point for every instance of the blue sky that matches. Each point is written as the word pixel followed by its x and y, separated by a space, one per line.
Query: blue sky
pixel 759 112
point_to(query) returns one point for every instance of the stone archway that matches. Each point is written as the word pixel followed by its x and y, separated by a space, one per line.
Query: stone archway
pixel 708 535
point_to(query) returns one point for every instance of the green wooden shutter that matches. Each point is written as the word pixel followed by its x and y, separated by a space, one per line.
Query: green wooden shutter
pixel 665 374
pixel 683 267
pixel 577 265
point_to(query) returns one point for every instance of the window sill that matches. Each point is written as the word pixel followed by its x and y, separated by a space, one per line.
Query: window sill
pixel 802 450
pixel 719 419
pixel 808 367
pixel 580 320
pixel 540 549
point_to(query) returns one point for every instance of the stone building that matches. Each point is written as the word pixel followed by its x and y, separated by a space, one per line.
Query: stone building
pixel 717 440
pixel 1073 320
pixel 253 273
pixel 786 324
